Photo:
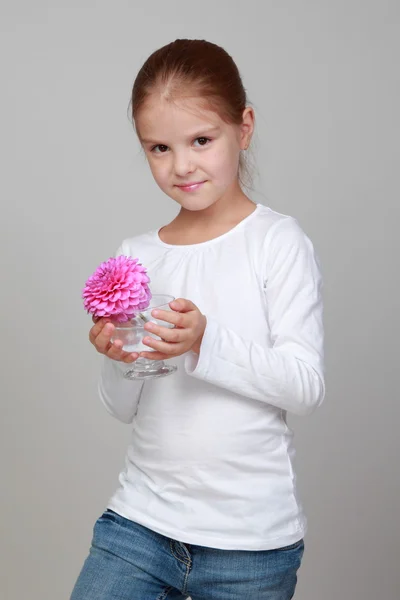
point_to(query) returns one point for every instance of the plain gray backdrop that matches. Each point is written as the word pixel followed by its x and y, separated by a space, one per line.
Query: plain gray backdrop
pixel 324 79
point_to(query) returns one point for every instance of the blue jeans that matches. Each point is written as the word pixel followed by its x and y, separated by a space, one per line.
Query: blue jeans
pixel 130 562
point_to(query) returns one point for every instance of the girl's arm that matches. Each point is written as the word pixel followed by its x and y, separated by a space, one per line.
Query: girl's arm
pixel 120 396
pixel 290 375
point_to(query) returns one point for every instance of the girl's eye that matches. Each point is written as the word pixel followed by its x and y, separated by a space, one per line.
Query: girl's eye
pixel 161 147
pixel 203 141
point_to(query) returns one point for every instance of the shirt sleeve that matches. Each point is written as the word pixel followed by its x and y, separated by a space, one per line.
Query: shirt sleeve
pixel 120 396
pixel 288 374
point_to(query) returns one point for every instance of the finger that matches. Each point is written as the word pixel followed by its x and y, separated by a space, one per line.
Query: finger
pixel 130 358
pixel 97 329
pixel 167 334
pixel 103 344
pixel 116 353
pixel 102 341
pixel 182 305
pixel 154 355
pixel 170 316
pixel 114 350
pixel 164 347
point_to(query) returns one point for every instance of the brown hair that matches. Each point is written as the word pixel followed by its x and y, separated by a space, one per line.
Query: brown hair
pixel 187 68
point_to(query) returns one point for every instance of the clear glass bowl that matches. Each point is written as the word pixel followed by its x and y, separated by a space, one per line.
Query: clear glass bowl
pixel 132 332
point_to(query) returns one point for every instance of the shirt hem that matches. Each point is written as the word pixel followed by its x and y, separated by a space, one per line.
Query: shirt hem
pixel 207 541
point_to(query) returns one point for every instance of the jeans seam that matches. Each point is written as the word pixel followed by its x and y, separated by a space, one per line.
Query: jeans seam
pixel 187 562
pixel 164 593
pixel 185 581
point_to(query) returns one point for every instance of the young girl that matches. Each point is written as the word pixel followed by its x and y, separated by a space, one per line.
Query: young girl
pixel 207 505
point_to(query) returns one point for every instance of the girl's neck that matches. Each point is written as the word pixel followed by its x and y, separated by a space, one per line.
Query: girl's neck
pixel 194 227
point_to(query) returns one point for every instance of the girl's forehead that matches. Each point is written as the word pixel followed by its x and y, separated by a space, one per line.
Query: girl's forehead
pixel 159 116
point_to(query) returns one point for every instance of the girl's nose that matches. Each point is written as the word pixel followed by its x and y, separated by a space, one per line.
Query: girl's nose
pixel 182 163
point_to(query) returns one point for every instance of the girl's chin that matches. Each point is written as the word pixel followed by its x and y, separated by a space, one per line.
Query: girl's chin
pixel 195 204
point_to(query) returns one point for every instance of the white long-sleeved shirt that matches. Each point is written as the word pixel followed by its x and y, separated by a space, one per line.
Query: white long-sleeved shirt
pixel 211 456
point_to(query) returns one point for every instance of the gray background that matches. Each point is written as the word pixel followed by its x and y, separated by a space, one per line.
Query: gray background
pixel 324 79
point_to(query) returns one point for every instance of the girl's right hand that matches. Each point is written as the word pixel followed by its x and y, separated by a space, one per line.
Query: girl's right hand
pixel 100 336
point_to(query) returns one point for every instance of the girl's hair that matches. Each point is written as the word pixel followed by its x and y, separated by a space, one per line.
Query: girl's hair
pixel 194 68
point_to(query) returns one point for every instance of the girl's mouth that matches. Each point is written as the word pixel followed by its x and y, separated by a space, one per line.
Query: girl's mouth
pixel 192 187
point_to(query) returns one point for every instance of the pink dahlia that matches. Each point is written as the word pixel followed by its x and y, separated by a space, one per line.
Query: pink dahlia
pixel 118 288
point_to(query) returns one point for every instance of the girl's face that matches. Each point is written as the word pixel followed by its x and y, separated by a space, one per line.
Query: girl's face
pixel 193 154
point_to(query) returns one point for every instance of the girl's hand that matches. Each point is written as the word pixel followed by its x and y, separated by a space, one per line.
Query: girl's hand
pixel 100 336
pixel 188 333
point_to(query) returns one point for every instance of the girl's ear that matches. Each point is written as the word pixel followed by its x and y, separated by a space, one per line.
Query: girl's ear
pixel 247 127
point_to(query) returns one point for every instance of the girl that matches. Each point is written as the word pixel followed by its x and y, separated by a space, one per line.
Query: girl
pixel 207 505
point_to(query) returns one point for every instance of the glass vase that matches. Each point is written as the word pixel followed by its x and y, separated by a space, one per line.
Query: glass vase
pixel 132 332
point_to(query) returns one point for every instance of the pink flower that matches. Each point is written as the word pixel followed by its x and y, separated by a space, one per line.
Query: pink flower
pixel 118 288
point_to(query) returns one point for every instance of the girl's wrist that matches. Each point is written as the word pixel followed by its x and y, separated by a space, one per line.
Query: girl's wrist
pixel 196 346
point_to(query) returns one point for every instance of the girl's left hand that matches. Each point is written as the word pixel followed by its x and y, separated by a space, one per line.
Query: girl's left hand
pixel 188 333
